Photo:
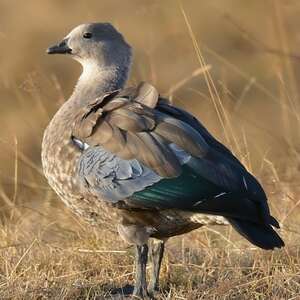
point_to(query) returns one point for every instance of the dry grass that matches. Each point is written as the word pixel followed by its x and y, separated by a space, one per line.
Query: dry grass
pixel 233 64
pixel 207 269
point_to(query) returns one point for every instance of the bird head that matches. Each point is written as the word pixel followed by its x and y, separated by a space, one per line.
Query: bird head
pixel 97 43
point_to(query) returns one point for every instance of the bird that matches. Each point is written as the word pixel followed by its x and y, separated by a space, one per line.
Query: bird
pixel 126 159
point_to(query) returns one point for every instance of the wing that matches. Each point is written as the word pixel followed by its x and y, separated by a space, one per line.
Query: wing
pixel 138 147
pixel 121 124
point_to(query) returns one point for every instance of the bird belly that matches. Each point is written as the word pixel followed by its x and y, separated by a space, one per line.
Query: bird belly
pixel 180 222
pixel 168 222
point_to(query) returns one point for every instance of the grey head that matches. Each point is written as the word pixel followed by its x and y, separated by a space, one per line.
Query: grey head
pixel 103 53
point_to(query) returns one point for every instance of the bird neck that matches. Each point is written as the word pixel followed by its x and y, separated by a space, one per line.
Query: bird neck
pixel 97 79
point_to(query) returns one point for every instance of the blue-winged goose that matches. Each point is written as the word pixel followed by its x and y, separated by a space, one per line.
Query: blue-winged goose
pixel 128 159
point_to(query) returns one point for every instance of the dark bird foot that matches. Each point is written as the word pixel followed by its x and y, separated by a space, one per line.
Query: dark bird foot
pixel 129 292
pixel 144 295
pixel 152 291
pixel 121 293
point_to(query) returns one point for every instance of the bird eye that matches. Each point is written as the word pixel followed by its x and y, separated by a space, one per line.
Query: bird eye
pixel 87 35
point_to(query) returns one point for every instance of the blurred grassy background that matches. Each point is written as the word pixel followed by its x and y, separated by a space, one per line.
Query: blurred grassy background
pixel 251 48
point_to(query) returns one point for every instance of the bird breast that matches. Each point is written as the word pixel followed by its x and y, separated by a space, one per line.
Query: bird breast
pixel 59 158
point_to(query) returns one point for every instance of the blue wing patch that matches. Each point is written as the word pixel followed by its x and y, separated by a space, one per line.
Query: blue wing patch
pixel 111 177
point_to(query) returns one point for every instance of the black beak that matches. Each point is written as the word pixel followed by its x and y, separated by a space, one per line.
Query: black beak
pixel 61 48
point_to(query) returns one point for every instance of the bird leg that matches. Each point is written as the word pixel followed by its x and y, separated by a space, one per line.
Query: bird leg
pixel 141 256
pixel 156 256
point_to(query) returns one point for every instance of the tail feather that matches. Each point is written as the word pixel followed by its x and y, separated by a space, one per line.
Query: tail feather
pixel 274 222
pixel 261 235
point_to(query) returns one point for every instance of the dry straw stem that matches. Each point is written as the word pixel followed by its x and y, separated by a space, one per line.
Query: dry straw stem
pixel 210 84
pixel 182 82
pixel 215 97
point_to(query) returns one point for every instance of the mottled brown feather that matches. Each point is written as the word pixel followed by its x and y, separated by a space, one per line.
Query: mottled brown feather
pixel 153 154
pixel 117 142
pixel 115 103
pixel 181 136
pixel 102 133
pixel 130 121
pixel 87 127
pixel 147 95
pixel 135 130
